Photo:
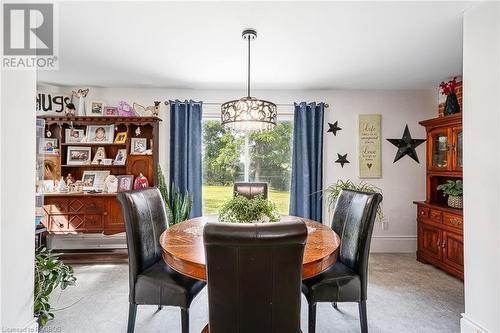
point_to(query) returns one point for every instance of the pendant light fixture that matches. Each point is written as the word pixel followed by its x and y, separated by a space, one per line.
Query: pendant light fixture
pixel 249 114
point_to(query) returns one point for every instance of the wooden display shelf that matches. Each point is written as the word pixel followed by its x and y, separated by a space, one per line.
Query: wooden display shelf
pixel 78 144
pixel 92 166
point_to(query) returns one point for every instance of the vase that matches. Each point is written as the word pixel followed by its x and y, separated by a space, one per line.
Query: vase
pixel 456 201
pixel 451 105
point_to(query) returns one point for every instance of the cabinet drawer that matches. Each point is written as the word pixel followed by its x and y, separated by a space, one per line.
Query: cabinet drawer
pixel 93 223
pixel 56 206
pixel 423 212
pixel 436 215
pixel 58 223
pixel 453 221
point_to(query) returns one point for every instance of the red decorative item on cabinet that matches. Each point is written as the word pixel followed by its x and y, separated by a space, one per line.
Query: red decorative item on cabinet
pixel 141 182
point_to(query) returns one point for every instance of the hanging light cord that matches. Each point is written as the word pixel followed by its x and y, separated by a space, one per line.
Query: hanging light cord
pixel 248 86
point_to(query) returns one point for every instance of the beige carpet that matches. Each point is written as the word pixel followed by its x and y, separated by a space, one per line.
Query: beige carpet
pixel 403 296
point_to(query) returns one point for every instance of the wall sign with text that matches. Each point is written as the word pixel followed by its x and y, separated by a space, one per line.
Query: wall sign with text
pixel 50 103
pixel 369 143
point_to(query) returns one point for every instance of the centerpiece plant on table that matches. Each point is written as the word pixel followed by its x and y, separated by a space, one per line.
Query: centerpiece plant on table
pixel 240 209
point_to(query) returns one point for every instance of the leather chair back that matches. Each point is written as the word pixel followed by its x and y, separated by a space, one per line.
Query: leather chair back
pixel 251 190
pixel 145 220
pixel 353 221
pixel 254 274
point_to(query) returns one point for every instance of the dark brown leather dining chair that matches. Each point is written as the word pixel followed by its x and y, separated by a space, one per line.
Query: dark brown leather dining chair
pixel 254 274
pixel 346 280
pixel 151 280
pixel 250 190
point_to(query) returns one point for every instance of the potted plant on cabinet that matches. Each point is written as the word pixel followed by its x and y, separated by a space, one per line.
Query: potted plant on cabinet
pixel 454 190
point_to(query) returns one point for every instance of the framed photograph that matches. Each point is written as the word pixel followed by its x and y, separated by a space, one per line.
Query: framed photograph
pixel 94 180
pixel 121 137
pixel 125 182
pixel 100 133
pixel 96 108
pixel 78 155
pixel 138 146
pixel 48 146
pixel 74 135
pixel 111 184
pixel 121 157
pixel 110 111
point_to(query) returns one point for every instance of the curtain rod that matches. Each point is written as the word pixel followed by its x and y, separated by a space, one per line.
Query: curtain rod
pixel 277 104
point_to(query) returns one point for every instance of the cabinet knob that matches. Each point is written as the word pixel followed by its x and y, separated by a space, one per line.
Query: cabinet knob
pixel 454 221
pixel 105 213
pixel 60 224
pixel 438 243
pixel 443 245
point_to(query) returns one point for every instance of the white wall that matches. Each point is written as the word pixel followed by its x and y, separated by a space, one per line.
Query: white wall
pixel 17 192
pixel 402 182
pixel 481 168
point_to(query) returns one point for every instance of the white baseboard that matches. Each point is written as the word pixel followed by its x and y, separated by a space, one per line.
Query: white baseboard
pixel 87 241
pixel 394 244
pixel 467 325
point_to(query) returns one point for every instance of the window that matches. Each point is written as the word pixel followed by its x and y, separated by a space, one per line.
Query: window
pixel 258 157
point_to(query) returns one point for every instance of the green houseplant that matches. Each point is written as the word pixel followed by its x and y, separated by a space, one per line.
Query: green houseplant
pixel 242 210
pixel 177 205
pixel 333 193
pixel 454 190
pixel 50 273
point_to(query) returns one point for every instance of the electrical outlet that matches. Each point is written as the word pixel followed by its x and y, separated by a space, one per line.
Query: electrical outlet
pixel 385 225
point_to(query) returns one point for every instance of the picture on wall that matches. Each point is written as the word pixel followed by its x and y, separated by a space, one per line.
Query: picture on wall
pixel 369 143
pixel 100 133
pixel 78 155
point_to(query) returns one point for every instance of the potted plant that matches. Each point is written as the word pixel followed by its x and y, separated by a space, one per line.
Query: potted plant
pixel 177 205
pixel 333 193
pixel 454 190
pixel 239 209
pixel 451 105
pixel 50 273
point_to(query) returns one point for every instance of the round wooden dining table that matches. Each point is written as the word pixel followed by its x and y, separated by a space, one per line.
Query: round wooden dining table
pixel 183 248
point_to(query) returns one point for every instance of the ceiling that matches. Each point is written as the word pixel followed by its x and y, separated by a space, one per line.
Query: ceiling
pixel 300 45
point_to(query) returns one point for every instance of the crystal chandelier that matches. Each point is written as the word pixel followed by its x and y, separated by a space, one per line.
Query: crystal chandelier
pixel 249 114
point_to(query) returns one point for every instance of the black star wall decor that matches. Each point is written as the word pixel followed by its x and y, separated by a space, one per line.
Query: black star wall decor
pixel 342 159
pixel 334 128
pixel 406 145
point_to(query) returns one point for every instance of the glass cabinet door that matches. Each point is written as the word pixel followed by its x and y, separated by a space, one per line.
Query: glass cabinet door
pixel 457 148
pixel 440 150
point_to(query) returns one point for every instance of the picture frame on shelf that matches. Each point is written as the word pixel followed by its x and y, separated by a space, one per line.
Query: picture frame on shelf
pixel 110 111
pixel 121 157
pixel 125 182
pixel 96 108
pixel 93 180
pixel 111 184
pixel 100 133
pixel 138 146
pixel 78 155
pixel 74 135
pixel 49 146
pixel 121 137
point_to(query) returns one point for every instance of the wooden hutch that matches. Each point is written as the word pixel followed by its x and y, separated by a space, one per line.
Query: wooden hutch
pixel 440 228
pixel 71 213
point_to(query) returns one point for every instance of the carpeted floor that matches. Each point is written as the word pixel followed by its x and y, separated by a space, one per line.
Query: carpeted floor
pixel 403 296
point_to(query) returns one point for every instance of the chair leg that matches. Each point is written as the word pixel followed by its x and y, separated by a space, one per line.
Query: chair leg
pixel 334 304
pixel 132 311
pixel 312 318
pixel 160 307
pixel 362 316
pixel 185 320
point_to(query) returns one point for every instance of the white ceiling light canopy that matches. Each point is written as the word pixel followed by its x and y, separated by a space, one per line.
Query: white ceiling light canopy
pixel 249 114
